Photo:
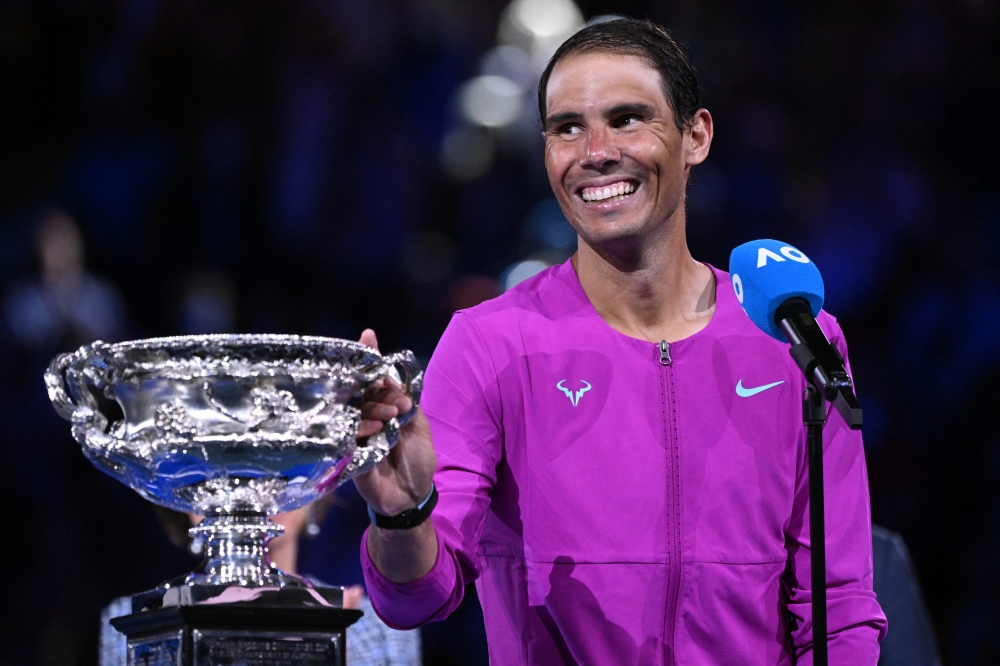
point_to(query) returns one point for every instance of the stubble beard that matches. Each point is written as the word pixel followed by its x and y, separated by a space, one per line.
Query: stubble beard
pixel 631 246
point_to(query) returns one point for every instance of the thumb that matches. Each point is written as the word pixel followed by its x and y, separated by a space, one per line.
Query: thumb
pixel 368 339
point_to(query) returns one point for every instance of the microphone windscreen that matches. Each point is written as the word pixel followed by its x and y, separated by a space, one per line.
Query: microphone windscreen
pixel 766 273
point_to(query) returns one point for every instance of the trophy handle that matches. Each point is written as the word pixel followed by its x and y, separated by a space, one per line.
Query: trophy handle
pixel 412 379
pixel 378 445
pixel 66 382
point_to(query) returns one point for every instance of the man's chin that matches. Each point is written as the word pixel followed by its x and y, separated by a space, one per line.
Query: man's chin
pixel 613 238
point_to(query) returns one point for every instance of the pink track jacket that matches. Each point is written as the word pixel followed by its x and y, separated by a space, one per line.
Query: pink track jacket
pixel 618 502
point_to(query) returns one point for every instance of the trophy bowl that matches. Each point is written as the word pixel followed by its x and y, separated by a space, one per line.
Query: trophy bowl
pixel 235 428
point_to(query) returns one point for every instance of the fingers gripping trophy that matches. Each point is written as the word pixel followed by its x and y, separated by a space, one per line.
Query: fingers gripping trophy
pixel 236 428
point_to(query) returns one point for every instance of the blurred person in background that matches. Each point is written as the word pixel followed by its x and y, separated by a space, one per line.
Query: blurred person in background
pixel 66 306
pixel 55 304
pixel 911 642
pixel 369 641
pixel 593 469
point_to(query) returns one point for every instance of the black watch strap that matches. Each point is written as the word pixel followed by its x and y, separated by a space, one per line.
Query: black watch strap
pixel 409 518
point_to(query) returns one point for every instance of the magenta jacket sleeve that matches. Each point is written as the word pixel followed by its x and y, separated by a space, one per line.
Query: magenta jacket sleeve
pixel 855 622
pixel 462 401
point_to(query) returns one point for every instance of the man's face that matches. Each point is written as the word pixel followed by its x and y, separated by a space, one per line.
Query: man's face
pixel 615 159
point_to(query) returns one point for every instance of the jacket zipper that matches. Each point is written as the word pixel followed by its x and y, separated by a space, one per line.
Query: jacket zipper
pixel 668 399
pixel 665 353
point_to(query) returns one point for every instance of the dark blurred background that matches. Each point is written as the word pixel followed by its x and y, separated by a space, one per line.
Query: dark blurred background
pixel 173 166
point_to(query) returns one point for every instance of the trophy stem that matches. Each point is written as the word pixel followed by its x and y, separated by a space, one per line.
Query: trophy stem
pixel 236 552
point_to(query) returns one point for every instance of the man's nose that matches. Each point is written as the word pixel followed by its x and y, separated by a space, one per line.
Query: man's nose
pixel 601 149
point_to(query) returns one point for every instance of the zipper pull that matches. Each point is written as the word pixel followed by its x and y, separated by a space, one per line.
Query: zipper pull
pixel 665 353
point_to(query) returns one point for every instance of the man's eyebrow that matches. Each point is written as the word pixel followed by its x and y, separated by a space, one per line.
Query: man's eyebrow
pixel 560 118
pixel 638 108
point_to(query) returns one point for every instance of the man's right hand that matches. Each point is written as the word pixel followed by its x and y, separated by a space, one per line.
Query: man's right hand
pixel 400 482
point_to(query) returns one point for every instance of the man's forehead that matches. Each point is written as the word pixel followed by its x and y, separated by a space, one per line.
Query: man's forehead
pixel 602 79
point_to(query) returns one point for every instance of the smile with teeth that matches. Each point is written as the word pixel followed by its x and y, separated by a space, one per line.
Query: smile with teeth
pixel 614 192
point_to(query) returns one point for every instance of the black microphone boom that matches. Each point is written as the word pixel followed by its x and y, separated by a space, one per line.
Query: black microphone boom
pixel 818 359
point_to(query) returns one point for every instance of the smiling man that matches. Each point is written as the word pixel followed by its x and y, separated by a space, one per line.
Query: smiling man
pixel 615 450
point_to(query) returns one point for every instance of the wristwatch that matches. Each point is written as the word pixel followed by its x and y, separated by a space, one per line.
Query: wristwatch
pixel 407 519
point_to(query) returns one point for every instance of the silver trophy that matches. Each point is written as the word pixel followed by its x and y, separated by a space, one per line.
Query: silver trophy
pixel 235 428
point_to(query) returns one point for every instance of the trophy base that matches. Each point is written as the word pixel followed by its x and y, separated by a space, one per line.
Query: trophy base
pixel 291 627
pixel 188 590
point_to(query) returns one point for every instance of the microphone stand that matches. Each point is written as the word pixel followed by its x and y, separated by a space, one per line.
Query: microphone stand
pixel 828 380
pixel 814 417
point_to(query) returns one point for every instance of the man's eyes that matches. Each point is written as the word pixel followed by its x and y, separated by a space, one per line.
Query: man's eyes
pixel 626 120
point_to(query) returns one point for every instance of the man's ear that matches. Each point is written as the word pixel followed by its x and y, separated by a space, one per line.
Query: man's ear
pixel 698 137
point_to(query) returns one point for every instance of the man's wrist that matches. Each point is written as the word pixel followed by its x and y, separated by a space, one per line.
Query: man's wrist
pixel 402 556
pixel 406 519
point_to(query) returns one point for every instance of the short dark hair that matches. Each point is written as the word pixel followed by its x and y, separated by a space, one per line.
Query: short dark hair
pixel 643 39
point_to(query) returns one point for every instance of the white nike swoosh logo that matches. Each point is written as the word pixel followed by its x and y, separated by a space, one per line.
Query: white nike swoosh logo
pixel 747 392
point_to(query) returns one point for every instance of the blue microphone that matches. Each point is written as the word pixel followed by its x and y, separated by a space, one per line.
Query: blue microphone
pixel 781 291
pixel 765 274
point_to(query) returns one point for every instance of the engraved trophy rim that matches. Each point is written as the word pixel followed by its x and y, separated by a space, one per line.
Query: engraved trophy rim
pixel 243 338
pixel 237 341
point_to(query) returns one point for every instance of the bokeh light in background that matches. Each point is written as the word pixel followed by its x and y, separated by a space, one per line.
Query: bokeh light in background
pixel 491 101
pixel 318 168
pixel 539 26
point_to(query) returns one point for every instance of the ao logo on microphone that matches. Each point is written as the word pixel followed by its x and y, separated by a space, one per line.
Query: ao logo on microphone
pixel 763 254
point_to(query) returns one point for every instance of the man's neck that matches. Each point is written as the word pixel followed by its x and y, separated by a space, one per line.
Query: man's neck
pixel 660 293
